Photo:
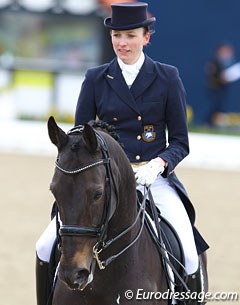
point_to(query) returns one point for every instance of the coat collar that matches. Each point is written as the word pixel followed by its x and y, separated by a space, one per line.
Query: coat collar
pixel 144 79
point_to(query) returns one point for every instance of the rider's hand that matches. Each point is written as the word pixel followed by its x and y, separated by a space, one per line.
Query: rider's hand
pixel 148 173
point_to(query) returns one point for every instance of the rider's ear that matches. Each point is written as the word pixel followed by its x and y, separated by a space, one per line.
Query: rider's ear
pixel 90 139
pixel 56 134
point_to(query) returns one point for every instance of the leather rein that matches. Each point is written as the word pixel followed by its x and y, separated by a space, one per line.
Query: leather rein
pixel 100 231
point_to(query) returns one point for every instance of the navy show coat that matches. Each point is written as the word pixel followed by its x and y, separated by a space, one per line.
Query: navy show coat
pixel 155 101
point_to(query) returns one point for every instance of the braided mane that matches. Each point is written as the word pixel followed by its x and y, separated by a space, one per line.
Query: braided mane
pixel 110 129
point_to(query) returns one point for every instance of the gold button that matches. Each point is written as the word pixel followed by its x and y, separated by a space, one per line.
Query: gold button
pixel 139 118
pixel 115 119
pixel 139 137
pixel 138 157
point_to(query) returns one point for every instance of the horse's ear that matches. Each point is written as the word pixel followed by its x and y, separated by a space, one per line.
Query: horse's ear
pixel 56 134
pixel 90 138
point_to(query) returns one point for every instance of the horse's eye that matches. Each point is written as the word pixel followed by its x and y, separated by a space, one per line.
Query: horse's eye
pixel 97 195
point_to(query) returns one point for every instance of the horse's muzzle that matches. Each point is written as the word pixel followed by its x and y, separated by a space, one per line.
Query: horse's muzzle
pixel 76 279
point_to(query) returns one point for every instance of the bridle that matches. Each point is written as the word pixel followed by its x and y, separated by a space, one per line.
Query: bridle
pixel 70 230
pixel 100 231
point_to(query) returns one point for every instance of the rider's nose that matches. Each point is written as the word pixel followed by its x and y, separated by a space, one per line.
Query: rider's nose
pixel 122 42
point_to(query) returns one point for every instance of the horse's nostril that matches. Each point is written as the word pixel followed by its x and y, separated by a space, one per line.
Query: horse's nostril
pixel 81 279
pixel 82 274
pixel 77 279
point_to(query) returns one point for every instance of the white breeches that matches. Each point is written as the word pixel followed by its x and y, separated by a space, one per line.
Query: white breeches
pixel 169 203
pixel 171 207
pixel 45 242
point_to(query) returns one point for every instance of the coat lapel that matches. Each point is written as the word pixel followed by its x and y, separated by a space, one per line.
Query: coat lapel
pixel 144 79
pixel 115 79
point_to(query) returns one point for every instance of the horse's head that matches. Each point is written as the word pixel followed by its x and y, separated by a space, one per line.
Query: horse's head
pixel 86 197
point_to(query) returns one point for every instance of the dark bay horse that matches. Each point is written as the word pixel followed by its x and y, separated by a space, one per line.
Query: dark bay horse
pixel 107 255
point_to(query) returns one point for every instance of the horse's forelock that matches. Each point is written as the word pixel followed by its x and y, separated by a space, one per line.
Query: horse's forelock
pixel 75 146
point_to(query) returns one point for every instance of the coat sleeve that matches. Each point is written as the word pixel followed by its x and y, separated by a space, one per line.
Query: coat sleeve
pixel 176 122
pixel 86 106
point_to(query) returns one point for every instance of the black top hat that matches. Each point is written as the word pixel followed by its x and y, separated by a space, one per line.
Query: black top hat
pixel 127 16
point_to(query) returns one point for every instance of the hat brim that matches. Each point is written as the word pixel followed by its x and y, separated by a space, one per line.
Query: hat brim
pixel 145 23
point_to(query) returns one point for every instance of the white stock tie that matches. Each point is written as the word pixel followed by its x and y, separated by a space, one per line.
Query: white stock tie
pixel 130 73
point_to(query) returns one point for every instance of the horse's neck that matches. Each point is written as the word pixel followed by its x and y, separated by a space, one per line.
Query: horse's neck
pixel 126 211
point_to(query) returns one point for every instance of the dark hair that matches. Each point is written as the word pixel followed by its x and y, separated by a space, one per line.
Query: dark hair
pixel 146 29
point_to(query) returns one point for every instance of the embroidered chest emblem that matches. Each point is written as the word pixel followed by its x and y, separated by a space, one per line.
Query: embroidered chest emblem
pixel 149 134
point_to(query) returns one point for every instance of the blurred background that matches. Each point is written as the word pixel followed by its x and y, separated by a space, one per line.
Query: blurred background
pixel 45 49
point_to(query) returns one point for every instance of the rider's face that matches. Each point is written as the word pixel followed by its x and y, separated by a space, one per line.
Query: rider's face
pixel 128 44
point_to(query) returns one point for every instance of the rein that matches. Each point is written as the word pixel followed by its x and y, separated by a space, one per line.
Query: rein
pixel 100 231
pixel 96 251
